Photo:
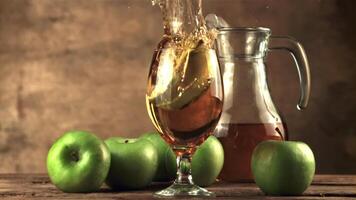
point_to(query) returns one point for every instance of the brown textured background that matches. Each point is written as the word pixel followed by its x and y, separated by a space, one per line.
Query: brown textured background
pixel 82 64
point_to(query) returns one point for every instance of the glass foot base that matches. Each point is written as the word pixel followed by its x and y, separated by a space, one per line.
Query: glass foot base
pixel 184 190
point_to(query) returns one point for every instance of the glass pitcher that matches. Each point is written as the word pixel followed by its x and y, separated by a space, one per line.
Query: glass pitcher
pixel 249 114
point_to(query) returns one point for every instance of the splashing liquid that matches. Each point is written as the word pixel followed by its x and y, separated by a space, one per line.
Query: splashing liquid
pixel 184 25
pixel 183 96
pixel 185 51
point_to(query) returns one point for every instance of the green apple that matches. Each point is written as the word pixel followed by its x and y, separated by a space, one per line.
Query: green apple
pixel 133 163
pixel 78 162
pixel 283 167
pixel 207 162
pixel 167 167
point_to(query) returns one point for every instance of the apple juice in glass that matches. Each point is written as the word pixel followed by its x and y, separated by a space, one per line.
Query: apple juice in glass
pixel 184 93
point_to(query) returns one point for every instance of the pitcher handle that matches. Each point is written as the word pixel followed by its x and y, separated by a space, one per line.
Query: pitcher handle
pixel 301 61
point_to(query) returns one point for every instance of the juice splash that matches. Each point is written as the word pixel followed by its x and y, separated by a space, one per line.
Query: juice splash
pixel 183 98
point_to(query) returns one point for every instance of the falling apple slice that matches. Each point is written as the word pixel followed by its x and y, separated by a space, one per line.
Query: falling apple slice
pixel 184 80
pixel 185 96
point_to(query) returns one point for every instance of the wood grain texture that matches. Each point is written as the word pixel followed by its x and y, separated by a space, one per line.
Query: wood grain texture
pixel 38 186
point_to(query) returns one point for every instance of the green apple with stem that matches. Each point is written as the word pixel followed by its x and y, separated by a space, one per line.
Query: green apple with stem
pixel 78 162
pixel 133 163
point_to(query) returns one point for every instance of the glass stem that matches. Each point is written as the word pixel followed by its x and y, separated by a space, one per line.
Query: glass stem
pixel 184 173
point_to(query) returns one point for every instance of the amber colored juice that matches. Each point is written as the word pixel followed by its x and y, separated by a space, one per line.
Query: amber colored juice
pixel 239 145
pixel 190 125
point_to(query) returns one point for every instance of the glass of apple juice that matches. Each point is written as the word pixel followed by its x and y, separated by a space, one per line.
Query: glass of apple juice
pixel 184 100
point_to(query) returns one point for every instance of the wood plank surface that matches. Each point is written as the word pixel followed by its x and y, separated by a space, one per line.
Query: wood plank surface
pixel 38 186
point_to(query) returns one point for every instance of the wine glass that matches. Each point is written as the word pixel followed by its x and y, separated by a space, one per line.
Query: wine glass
pixel 184 100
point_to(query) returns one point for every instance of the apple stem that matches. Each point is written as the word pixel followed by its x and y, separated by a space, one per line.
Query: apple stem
pixel 184 175
pixel 280 133
pixel 75 156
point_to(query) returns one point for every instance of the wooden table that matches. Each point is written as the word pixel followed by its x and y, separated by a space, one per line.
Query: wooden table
pixel 38 186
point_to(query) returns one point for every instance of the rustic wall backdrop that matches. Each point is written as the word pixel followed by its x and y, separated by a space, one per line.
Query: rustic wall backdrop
pixel 82 64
